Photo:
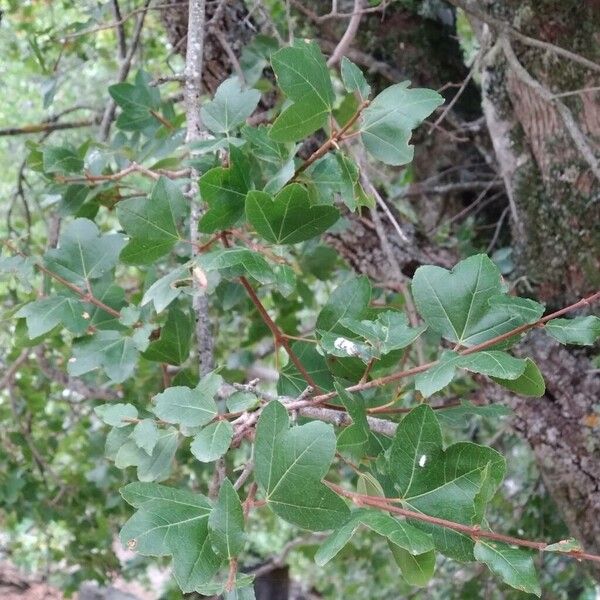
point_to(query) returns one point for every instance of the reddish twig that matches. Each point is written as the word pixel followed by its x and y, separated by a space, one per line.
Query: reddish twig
pixel 472 531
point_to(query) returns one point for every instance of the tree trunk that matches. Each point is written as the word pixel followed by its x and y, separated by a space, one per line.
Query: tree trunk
pixel 555 210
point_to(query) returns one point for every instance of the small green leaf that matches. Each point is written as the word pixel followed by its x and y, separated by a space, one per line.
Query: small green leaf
pixel 155 466
pixel 513 565
pixel 290 464
pixel 416 569
pixel 173 345
pixel 109 350
pixel 83 254
pixel 224 189
pixel 438 376
pixel 59 159
pixel 569 545
pixel 387 123
pixel 152 223
pixel 291 381
pixel 213 441
pixel 165 290
pixel 348 301
pixel 117 415
pixel 43 315
pixel 288 218
pixel 399 533
pixel 230 107
pixel 530 383
pixel 189 407
pixel 172 522
pixel 583 331
pixel 136 102
pixel 226 523
pixel 303 76
pixel 353 78
pixel 235 262
pixel 241 401
pixel 145 435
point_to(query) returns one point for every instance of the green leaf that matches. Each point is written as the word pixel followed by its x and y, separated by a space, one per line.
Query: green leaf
pixel 241 401
pixel 416 569
pixel 288 218
pixel 399 533
pixel 303 76
pixel 152 222
pixel 387 123
pixel 235 262
pixel 438 376
pixel 59 159
pixel 530 383
pixel 172 522
pixel 568 545
pixel 513 565
pixel 43 315
pixel 454 484
pixel 353 440
pixel 226 523
pixel 155 466
pixel 353 78
pixel 145 435
pixel 289 460
pixel 224 189
pixel 189 407
pixel 463 304
pixel 291 381
pixel 389 332
pixel 83 254
pixel 230 107
pixel 583 331
pixel 213 441
pixel 173 345
pixel 116 415
pixel 109 350
pixel 165 290
pixel 136 101
pixel 348 301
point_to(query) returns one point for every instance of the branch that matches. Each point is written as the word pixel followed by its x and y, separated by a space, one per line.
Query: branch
pixel 473 531
pixel 567 116
pixel 132 168
pixel 45 127
pixel 192 92
pixel 507 29
pixel 349 35
pixel 120 29
pixel 477 348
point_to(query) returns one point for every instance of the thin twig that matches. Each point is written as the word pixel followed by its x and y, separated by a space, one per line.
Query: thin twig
pixel 473 531
pixel 349 35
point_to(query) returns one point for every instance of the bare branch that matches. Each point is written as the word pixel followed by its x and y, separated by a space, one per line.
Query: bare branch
pixel 120 29
pixel 349 35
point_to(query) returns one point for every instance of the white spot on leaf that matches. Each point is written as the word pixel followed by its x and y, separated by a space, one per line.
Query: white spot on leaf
pixel 346 346
pixel 423 460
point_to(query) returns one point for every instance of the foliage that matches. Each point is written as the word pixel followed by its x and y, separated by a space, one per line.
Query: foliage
pixel 114 300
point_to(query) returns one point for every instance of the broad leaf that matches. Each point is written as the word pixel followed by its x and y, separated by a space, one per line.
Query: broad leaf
pixel 291 381
pixel 463 304
pixel 288 218
pixel 137 101
pixel 513 565
pixel 399 533
pixel 230 107
pixel 303 76
pixel 226 522
pixel 235 262
pixel 224 190
pixel 117 415
pixel 173 345
pixel 109 350
pixel 583 331
pixel 146 435
pixel 353 78
pixel 83 254
pixel 152 223
pixel 387 123
pixel 189 407
pixel 416 569
pixel 530 383
pixel 172 522
pixel 43 315
pixel 454 484
pixel 213 441
pixel 289 460
pixel 61 159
